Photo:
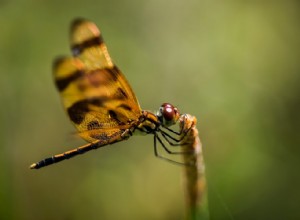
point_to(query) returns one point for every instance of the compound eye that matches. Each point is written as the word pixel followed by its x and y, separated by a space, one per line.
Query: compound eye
pixel 168 111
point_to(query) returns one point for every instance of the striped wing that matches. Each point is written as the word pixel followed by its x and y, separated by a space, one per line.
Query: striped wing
pixel 95 94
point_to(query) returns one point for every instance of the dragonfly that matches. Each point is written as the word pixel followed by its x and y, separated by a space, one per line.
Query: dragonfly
pixel 100 102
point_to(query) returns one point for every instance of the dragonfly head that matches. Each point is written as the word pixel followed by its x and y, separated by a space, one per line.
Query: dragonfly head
pixel 168 115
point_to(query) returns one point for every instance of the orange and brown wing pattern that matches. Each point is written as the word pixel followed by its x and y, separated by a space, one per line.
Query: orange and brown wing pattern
pixel 95 94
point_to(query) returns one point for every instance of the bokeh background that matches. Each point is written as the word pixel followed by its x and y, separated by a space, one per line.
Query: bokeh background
pixel 233 64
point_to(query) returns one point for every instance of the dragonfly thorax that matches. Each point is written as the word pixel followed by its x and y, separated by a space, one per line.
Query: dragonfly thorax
pixel 148 123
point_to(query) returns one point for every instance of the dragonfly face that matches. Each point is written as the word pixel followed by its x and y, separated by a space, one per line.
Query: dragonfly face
pixel 168 115
pixel 98 99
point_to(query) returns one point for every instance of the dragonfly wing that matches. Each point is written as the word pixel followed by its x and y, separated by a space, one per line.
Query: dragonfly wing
pixel 94 92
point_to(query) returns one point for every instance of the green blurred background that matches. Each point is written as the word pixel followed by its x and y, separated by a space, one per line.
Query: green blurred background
pixel 232 64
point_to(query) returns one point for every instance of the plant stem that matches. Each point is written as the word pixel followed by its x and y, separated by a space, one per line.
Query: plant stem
pixel 194 171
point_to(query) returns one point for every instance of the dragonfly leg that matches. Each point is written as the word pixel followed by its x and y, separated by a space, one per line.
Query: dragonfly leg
pixel 167 136
pixel 170 142
pixel 168 150
pixel 162 157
